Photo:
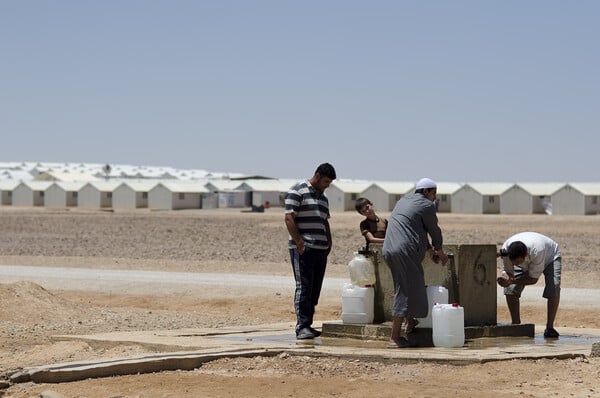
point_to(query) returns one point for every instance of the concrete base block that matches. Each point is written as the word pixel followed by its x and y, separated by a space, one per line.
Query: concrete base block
pixel 470 277
pixel 422 337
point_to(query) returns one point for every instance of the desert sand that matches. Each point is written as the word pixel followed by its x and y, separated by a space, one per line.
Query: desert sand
pixel 231 241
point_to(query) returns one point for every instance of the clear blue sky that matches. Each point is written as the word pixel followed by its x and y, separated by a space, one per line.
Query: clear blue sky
pixel 459 91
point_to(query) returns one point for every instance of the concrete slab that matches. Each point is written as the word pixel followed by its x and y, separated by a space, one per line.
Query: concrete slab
pixel 422 337
pixel 187 349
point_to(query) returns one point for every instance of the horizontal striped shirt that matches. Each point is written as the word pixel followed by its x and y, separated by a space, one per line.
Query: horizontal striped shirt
pixel 311 209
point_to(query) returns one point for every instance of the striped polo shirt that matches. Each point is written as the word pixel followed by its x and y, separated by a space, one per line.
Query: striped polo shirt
pixel 311 208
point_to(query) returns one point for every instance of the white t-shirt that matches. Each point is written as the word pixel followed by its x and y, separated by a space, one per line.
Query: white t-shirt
pixel 541 251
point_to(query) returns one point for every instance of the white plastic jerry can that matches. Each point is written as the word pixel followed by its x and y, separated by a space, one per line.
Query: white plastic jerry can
pixel 448 325
pixel 358 304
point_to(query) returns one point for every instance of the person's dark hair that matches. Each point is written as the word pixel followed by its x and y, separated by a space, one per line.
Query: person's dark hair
pixel 515 250
pixel 360 203
pixel 326 170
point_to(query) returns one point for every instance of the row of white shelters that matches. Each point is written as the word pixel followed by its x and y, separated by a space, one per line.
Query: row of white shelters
pixel 471 198
pixel 385 194
pixel 117 194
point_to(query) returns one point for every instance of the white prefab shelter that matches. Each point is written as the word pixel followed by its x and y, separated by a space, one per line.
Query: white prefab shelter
pixel 63 194
pixel 478 198
pixel 342 194
pixel 579 198
pixel 445 193
pixel 97 194
pixel 267 192
pixel 385 194
pixel 227 194
pixel 528 198
pixel 6 191
pixel 30 193
pixel 176 195
pixel 132 194
pixel 235 198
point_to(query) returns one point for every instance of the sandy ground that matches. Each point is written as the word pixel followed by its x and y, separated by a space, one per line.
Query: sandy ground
pixel 254 243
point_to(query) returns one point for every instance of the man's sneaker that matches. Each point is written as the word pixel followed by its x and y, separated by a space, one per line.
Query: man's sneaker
pixel 551 333
pixel 305 334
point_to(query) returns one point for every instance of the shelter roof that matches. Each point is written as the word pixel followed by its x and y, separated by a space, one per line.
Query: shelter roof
pixel 540 188
pixel 351 186
pixel 395 187
pixel 104 186
pixel 140 186
pixel 37 185
pixel 222 184
pixel 447 188
pixel 184 186
pixel 280 185
pixel 489 188
pixel 9 185
pixel 586 188
pixel 70 186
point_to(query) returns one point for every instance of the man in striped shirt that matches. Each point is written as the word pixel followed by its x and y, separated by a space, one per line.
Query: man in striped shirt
pixel 307 221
